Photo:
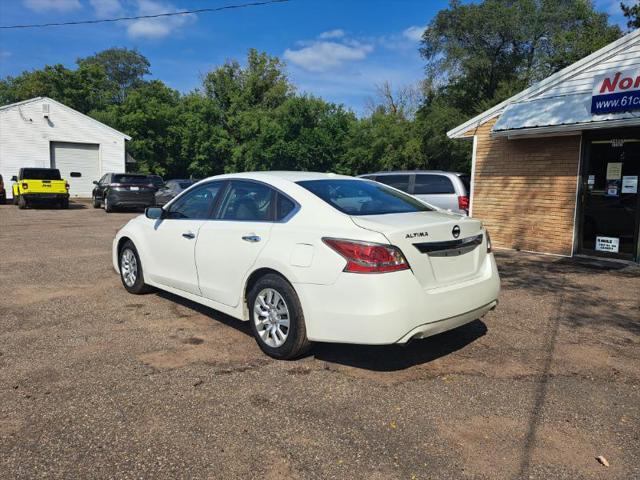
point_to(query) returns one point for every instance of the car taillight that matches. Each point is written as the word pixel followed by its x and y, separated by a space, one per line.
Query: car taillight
pixel 66 185
pixel 25 186
pixel 463 203
pixel 367 257
pixel 488 241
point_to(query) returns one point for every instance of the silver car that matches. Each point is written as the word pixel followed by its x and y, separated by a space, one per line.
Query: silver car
pixel 446 190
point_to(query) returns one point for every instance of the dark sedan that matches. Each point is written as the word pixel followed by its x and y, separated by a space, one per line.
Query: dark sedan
pixel 123 190
pixel 171 189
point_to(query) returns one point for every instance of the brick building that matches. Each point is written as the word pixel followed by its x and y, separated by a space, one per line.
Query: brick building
pixel 555 168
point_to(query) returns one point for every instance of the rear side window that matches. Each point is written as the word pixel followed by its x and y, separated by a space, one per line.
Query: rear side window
pixel 359 197
pixel 248 201
pixel 41 174
pixel 432 185
pixel 197 204
pixel 285 207
pixel 401 182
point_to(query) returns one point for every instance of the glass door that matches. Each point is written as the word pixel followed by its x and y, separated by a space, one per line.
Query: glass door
pixel 610 210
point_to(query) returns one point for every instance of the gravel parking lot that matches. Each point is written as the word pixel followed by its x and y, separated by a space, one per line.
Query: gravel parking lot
pixel 97 383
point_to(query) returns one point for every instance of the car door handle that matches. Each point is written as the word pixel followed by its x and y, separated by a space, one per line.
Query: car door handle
pixel 189 235
pixel 251 238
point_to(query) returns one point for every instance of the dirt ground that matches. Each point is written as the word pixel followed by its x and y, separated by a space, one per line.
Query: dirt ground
pixel 97 383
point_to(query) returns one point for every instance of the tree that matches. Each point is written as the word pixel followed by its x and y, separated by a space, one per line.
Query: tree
pixel 124 68
pixel 403 101
pixel 632 13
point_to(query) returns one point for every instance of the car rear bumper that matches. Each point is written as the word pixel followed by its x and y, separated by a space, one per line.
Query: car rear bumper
pixel 131 199
pixel 45 197
pixel 393 307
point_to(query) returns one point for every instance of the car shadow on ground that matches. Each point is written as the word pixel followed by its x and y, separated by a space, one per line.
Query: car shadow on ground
pixel 380 358
pixel 45 206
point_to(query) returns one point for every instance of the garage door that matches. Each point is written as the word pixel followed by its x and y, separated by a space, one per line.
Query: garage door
pixel 79 164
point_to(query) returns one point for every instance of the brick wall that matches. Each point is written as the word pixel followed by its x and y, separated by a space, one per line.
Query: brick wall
pixel 525 190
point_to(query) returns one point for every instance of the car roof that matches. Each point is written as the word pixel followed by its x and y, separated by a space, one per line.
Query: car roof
pixel 409 172
pixel 291 176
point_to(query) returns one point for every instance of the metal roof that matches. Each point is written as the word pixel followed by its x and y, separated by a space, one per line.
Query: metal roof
pixel 562 113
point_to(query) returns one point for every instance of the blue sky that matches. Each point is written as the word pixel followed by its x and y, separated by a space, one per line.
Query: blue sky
pixel 335 49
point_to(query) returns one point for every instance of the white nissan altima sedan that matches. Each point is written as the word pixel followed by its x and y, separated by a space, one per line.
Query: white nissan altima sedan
pixel 313 257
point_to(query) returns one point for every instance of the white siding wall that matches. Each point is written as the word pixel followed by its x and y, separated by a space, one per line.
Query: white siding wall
pixel 627 57
pixel 25 137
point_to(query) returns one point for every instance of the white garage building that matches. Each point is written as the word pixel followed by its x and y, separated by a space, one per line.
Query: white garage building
pixel 44 133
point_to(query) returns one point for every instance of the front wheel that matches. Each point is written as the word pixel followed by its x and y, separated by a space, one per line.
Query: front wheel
pixel 276 318
pixel 131 270
pixel 96 202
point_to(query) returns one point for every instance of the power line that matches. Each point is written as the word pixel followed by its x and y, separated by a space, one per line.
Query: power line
pixel 138 17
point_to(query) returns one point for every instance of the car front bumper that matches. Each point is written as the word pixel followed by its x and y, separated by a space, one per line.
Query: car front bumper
pixel 393 307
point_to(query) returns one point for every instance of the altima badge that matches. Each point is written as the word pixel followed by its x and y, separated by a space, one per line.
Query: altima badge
pixel 456 231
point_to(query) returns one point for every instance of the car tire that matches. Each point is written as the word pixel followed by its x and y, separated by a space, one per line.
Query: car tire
pixel 22 202
pixel 3 200
pixel 107 205
pixel 64 203
pixel 275 312
pixel 15 199
pixel 96 202
pixel 130 268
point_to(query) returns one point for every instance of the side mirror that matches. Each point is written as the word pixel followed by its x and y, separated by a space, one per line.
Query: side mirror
pixel 154 213
pixel 95 182
pixel 14 179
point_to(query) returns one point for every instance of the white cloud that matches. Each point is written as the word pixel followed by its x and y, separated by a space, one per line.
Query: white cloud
pixel 52 5
pixel 337 33
pixel 5 54
pixel 413 33
pixel 106 8
pixel 156 27
pixel 323 56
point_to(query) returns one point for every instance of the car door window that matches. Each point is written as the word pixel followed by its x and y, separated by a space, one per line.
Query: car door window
pixel 197 204
pixel 401 182
pixel 248 201
pixel 432 185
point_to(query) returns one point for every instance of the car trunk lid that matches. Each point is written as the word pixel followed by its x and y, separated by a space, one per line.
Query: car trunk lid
pixel 441 248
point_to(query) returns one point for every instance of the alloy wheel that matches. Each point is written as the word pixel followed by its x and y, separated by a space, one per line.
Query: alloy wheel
pixel 271 317
pixel 128 267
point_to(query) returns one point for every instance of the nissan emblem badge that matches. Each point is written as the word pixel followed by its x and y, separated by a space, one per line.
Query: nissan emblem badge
pixel 456 231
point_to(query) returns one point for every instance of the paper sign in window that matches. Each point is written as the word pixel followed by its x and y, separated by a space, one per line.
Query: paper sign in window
pixel 614 170
pixel 607 244
pixel 630 184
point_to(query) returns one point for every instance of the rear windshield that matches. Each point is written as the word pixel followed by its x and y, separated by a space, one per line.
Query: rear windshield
pixel 185 185
pixel 466 181
pixel 41 174
pixel 156 180
pixel 124 178
pixel 360 197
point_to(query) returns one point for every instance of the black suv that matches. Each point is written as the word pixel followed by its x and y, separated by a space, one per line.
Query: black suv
pixel 123 190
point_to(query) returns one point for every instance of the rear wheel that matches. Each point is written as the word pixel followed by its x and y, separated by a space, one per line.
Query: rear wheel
pixel 107 205
pixel 22 202
pixel 64 203
pixel 276 318
pixel 131 270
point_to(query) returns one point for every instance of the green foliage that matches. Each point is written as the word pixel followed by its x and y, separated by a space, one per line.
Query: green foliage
pixel 632 13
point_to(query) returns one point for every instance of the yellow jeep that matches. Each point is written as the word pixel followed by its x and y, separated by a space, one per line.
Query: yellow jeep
pixel 40 185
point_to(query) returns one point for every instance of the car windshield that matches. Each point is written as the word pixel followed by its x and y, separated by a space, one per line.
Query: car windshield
pixel 124 178
pixel 361 197
pixel 41 174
